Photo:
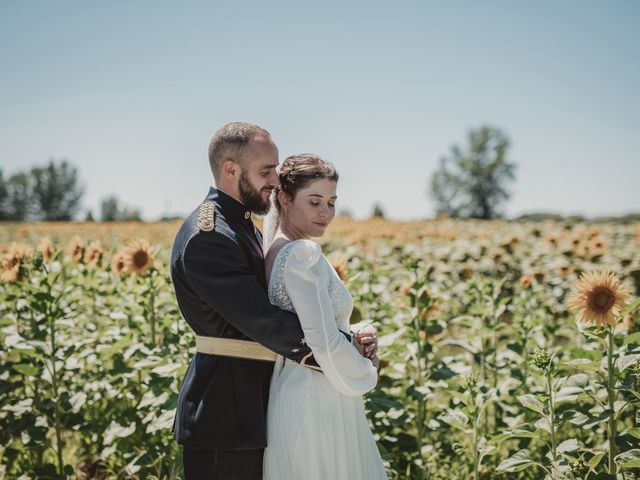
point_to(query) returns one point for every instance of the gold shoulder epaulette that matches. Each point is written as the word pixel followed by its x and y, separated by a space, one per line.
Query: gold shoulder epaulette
pixel 206 217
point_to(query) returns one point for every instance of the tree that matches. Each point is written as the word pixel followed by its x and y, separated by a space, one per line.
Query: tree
pixel 17 203
pixel 377 211
pixel 111 211
pixel 131 214
pixel 4 215
pixel 56 191
pixel 472 182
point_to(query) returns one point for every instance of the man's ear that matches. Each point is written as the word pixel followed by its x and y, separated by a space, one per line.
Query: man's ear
pixel 229 168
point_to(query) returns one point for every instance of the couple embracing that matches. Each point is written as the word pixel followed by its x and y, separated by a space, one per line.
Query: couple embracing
pixel 277 365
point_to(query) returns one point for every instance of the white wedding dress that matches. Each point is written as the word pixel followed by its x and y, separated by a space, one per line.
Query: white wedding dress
pixel 316 423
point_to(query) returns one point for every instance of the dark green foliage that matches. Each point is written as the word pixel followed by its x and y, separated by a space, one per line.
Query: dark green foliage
pixel 17 203
pixel 111 210
pixel 56 192
pixel 482 377
pixel 377 211
pixel 49 193
pixel 471 182
pixel 4 194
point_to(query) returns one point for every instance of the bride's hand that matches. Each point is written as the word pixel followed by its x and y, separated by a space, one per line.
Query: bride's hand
pixel 367 341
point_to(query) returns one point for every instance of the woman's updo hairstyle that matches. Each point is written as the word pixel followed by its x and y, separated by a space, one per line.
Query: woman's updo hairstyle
pixel 298 171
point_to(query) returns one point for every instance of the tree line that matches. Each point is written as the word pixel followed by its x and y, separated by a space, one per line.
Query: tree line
pixel 53 193
pixel 471 182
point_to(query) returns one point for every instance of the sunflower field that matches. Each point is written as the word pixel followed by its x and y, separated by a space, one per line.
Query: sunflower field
pixel 509 350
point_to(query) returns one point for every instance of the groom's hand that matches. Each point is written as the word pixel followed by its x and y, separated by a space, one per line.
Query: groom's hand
pixel 376 362
pixel 367 341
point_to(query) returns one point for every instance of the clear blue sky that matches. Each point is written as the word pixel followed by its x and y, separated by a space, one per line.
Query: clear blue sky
pixel 131 92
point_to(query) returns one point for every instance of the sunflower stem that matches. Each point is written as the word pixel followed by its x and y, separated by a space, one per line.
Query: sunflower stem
pixel 611 394
pixel 151 307
pixel 476 464
pixel 419 375
pixel 552 417
pixel 49 313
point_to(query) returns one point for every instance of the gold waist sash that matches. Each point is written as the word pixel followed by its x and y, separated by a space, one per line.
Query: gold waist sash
pixel 231 347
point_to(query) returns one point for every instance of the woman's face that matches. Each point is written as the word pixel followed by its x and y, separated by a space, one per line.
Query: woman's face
pixel 312 209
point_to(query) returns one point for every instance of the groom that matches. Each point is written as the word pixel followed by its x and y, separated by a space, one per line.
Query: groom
pixel 218 272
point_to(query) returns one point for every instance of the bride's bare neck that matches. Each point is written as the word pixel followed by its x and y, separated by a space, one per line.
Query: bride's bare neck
pixel 289 232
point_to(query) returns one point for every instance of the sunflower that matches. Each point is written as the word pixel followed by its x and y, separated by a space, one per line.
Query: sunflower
pixel 569 249
pixel 582 250
pixel 405 289
pixel 46 248
pixel 597 298
pixel 552 239
pixel 540 359
pixel 138 257
pixel 465 273
pixel 340 266
pixel 75 249
pixel 15 257
pixel 576 240
pixel 509 242
pixel 118 265
pixel 592 232
pixel 539 276
pixel 408 290
pixel 526 281
pixel 25 252
pixel 93 254
pixel 10 270
pixel 597 248
pixel 563 270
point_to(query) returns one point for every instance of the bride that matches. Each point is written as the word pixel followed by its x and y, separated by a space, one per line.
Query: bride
pixel 316 423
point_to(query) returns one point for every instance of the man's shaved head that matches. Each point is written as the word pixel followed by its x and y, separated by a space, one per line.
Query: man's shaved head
pixel 230 142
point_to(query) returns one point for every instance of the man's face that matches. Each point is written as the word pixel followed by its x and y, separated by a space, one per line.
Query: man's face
pixel 258 175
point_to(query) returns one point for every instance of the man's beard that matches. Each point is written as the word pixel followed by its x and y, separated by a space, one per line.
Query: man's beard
pixel 251 197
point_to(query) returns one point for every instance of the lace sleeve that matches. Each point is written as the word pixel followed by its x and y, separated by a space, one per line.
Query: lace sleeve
pixel 306 280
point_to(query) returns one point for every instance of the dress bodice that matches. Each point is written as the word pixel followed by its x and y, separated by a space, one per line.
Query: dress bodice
pixel 340 297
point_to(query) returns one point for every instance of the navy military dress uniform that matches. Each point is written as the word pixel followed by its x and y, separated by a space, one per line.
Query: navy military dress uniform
pixel 218 272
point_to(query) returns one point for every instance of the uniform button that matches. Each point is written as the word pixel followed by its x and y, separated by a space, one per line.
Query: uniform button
pixel 247 215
